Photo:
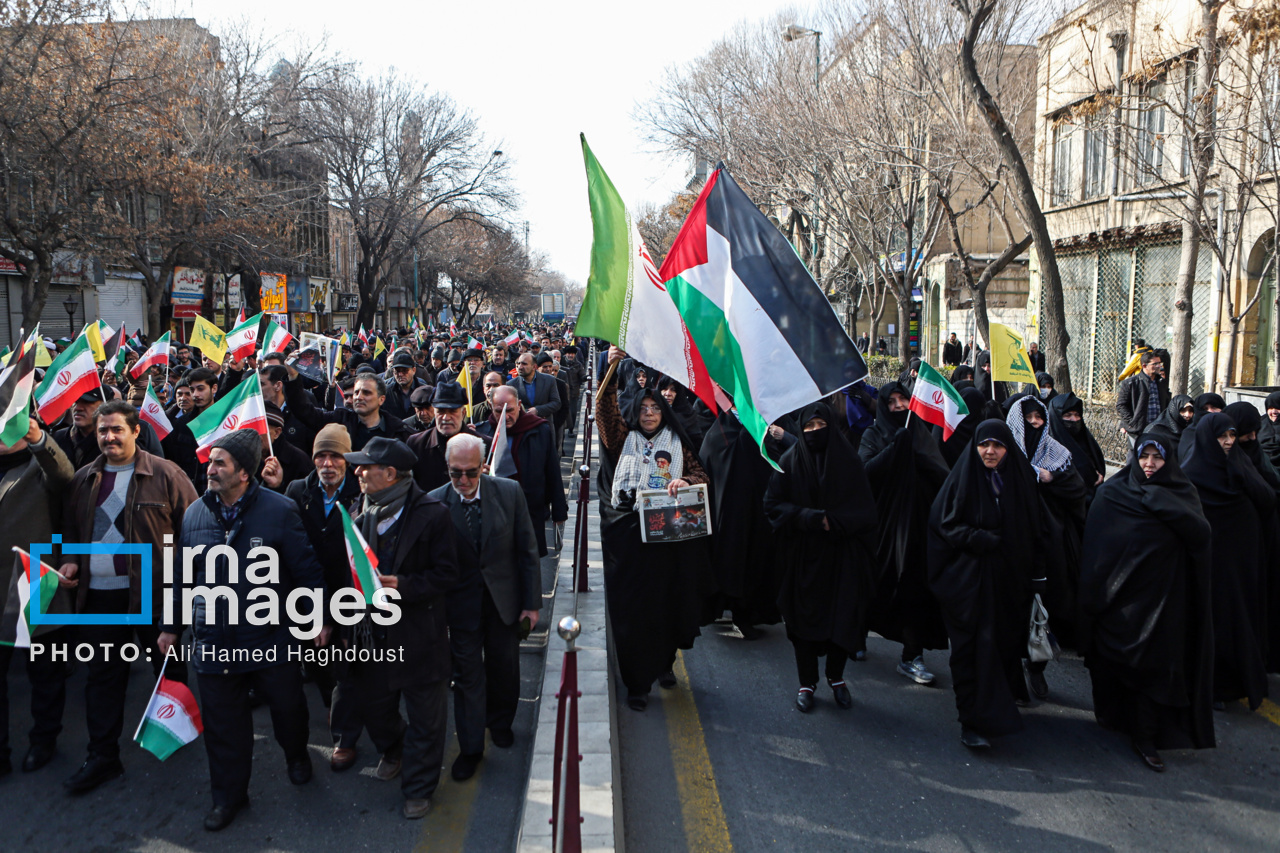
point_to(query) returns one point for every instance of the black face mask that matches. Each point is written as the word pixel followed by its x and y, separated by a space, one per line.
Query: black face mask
pixel 1073 427
pixel 816 440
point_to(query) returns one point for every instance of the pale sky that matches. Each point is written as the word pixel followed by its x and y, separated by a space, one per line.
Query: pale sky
pixel 534 75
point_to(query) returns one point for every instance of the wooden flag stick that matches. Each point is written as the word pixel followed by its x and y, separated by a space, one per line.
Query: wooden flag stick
pixel 604 382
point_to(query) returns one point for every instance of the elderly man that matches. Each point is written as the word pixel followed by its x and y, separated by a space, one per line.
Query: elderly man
pixel 412 536
pixel 125 496
pixel 430 471
pixel 530 459
pixel 497 601
pixel 539 394
pixel 424 413
pixel 232 657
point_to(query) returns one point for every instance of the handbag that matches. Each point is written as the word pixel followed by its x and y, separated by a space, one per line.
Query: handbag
pixel 1042 646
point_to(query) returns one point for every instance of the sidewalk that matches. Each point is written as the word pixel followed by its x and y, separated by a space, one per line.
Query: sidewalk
pixel 596 706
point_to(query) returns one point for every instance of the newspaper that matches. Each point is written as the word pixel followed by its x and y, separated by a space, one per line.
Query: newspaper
pixel 667 519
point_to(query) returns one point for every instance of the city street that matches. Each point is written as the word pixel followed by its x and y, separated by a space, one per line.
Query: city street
pixel 726 761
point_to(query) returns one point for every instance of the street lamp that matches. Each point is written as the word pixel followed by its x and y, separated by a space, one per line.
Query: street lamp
pixel 70 304
pixel 792 33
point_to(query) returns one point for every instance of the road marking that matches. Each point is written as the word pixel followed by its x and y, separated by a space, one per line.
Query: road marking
pixel 1269 710
pixel 705 828
pixel 445 827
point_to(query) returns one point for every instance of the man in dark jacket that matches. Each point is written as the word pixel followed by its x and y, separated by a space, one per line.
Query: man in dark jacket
pixel 530 459
pixel 1037 357
pixel 125 496
pixel 1142 398
pixel 364 419
pixel 501 589
pixel 412 536
pixel 272 378
pixel 282 463
pixel 574 371
pixel 80 442
pixel 539 395
pixel 423 412
pixel 430 471
pixel 952 351
pixel 180 445
pixel 231 659
pixel 547 365
pixel 404 382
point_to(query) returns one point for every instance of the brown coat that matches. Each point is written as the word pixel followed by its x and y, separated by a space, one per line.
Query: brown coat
pixel 159 494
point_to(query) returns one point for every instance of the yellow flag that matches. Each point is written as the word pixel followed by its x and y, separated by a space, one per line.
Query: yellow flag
pixel 209 339
pixel 43 359
pixel 93 334
pixel 464 379
pixel 379 347
pixel 1009 359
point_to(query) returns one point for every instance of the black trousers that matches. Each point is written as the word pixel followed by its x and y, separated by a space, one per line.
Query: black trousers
pixel 486 683
pixel 106 687
pixel 807 654
pixel 418 744
pixel 48 681
pixel 228 723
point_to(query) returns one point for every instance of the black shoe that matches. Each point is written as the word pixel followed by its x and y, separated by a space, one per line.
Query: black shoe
pixel 220 817
pixel 1149 756
pixel 300 770
pixel 804 700
pixel 502 738
pixel 464 766
pixel 841 693
pixel 95 770
pixel 1039 687
pixel 667 681
pixel 37 756
pixel 637 701
pixel 972 739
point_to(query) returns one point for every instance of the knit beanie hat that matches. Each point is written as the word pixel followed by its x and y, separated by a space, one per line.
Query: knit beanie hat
pixel 334 438
pixel 245 446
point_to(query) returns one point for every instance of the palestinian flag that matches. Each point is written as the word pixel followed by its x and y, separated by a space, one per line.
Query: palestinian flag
pixel 171 721
pixel 242 341
pixel 15 621
pixel 156 356
pixel 767 333
pixel 935 401
pixel 16 383
pixel 364 563
pixel 135 341
pixel 73 373
pixel 152 412
pixel 275 339
pixel 243 408
pixel 115 350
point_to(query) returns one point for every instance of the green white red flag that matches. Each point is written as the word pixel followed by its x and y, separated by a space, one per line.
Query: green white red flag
pixel 153 413
pixel 72 374
pixel 935 400
pixel 275 339
pixel 242 341
pixel 15 622
pixel 157 355
pixel 364 563
pixel 171 721
pixel 243 408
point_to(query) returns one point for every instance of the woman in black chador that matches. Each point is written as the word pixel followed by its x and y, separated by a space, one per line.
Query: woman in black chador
pixel 820 504
pixel 1145 606
pixel 986 524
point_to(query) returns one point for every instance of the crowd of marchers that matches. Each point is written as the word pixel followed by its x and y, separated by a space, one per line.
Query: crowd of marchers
pixel 400 442
pixel 1158 575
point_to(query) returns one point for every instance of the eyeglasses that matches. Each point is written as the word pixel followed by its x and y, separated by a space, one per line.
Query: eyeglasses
pixel 470 473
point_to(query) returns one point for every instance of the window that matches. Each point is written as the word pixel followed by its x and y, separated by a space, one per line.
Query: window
pixel 1269 116
pixel 1064 165
pixel 1150 150
pixel 1096 149
pixel 1189 110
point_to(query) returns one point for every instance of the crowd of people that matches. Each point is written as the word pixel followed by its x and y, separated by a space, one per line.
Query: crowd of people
pixel 400 442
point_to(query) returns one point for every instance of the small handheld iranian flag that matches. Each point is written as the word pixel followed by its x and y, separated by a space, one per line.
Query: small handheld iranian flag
pixel 171 721
pixel 243 408
pixel 935 401
pixel 153 413
pixel 15 621
pixel 472 343
pixel 364 563
pixel 73 373
pixel 242 341
pixel 156 355
pixel 276 338
pixel 512 339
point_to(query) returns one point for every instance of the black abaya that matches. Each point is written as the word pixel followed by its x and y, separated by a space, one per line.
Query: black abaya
pixel 1269 434
pixel 958 443
pixel 1086 455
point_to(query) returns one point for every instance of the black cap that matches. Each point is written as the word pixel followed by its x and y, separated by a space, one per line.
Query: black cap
pixel 94 396
pixel 403 358
pixel 384 451
pixel 366 368
pixel 454 356
pixel 459 343
pixel 570 348
pixel 275 415
pixel 449 395
pixel 543 358
pixel 473 353
pixel 422 396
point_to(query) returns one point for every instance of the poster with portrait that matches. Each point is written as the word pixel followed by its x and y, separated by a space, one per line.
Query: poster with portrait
pixel 667 519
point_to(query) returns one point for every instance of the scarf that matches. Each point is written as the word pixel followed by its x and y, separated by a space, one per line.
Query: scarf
pixel 1048 453
pixel 379 506
pixel 637 464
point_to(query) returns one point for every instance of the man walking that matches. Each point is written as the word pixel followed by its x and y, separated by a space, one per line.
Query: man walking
pixel 1142 398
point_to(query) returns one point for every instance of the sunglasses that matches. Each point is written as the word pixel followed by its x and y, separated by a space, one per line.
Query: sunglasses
pixel 470 473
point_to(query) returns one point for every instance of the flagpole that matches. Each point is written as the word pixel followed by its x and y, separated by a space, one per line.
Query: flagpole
pixel 154 691
pixel 493 448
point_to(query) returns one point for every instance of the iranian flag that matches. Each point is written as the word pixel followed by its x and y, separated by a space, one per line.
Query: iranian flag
pixel 363 336
pixel 157 355
pixel 767 333
pixel 276 338
pixel 453 328
pixel 171 721
pixel 15 621
pixel 934 400
pixel 627 303
pixel 512 339
pixel 242 341
pixel 364 563
pixel 472 343
pixel 73 373
pixel 153 413
pixel 16 383
pixel 243 408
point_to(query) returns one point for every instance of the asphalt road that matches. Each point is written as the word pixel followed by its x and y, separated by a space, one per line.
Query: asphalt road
pixel 726 761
